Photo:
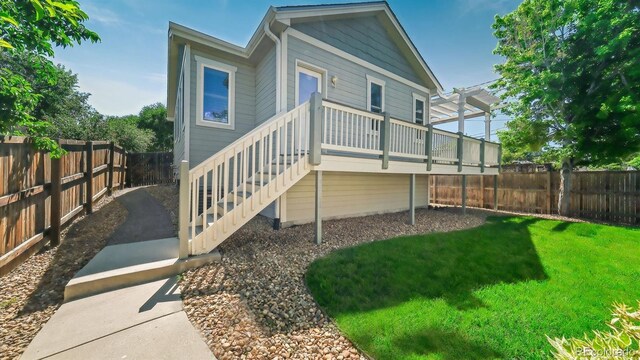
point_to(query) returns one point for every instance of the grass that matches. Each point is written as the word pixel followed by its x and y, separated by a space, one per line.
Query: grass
pixel 490 292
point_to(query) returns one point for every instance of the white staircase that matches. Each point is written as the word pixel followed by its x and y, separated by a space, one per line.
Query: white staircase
pixel 231 187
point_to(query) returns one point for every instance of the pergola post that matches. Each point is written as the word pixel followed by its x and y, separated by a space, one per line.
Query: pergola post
pixel 319 207
pixel 462 101
pixel 412 199
pixel 487 126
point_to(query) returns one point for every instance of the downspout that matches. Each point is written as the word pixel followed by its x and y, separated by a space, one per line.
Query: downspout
pixel 276 40
pixel 272 36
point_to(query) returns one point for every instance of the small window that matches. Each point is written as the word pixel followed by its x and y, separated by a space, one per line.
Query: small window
pixel 419 109
pixel 375 94
pixel 215 94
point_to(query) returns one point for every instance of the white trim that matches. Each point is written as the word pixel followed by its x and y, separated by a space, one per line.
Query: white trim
pixel 312 70
pixel 419 97
pixel 345 55
pixel 201 63
pixel 373 80
pixel 187 102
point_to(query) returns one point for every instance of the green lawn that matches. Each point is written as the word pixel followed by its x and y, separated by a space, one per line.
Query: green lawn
pixel 489 292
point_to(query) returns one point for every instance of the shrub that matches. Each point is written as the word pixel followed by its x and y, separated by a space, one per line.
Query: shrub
pixel 621 342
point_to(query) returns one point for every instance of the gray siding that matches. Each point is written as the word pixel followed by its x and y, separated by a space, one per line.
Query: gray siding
pixel 364 37
pixel 351 86
pixel 205 141
pixel 266 87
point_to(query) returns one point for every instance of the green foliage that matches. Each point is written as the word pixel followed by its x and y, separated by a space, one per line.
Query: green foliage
pixel 154 117
pixel 125 132
pixel 28 31
pixel 621 341
pixel 571 79
pixel 483 293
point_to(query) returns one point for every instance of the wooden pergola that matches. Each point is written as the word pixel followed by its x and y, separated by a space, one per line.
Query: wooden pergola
pixel 464 104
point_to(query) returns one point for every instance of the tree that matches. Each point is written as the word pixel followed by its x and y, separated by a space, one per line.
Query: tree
pixel 154 117
pixel 30 28
pixel 125 132
pixel 572 81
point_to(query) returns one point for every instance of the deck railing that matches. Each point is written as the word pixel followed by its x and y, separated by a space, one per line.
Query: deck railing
pixel 351 130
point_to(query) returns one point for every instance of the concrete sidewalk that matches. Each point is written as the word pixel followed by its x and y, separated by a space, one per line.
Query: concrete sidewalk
pixel 140 322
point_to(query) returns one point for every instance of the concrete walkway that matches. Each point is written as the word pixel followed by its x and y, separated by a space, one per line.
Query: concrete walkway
pixel 145 321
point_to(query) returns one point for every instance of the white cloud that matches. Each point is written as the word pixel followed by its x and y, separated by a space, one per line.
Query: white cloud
pixel 112 97
pixel 102 15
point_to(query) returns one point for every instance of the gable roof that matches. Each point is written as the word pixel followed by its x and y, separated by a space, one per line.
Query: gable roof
pixel 284 15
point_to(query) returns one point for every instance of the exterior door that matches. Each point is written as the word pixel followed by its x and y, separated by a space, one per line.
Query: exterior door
pixel 307 82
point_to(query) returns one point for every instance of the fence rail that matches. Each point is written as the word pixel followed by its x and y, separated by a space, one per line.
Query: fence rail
pixel 611 196
pixel 39 195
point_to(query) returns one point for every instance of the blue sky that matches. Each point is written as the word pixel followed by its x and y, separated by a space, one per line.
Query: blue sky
pixel 127 70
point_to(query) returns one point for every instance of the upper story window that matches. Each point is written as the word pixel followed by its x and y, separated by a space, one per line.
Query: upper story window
pixel 215 94
pixel 419 109
pixel 375 94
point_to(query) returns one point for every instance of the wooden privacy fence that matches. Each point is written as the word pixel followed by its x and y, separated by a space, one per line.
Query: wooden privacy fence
pixel 150 168
pixel 612 196
pixel 39 195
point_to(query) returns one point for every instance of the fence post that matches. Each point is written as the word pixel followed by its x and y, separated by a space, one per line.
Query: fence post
pixel 495 192
pixel 549 175
pixel 482 146
pixel 89 176
pixel 464 194
pixel 460 151
pixel 56 200
pixel 183 210
pixel 385 140
pixel 428 143
pixel 112 159
pixel 315 128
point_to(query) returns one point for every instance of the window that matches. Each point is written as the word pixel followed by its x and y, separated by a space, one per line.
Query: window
pixel 419 109
pixel 375 94
pixel 309 79
pixel 215 94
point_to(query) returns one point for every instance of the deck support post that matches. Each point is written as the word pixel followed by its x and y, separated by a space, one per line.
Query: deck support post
pixel 412 199
pixel 460 150
pixel 428 143
pixel 318 207
pixel 483 143
pixel 315 129
pixel 464 194
pixel 385 140
pixel 495 192
pixel 183 210
pixel 428 190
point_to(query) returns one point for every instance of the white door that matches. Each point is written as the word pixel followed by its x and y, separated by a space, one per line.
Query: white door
pixel 307 82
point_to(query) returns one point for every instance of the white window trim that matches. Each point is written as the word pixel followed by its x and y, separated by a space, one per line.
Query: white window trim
pixel 201 63
pixel 303 65
pixel 424 109
pixel 370 80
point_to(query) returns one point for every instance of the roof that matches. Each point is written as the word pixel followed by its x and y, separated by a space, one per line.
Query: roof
pixel 284 14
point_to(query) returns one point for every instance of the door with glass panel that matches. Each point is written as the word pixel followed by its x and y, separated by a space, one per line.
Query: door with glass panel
pixel 307 82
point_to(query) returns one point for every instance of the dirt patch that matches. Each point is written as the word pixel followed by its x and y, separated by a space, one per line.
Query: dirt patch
pixel 33 291
pixel 254 304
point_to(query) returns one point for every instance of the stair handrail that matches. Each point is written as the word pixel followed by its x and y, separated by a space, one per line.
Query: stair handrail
pixel 266 124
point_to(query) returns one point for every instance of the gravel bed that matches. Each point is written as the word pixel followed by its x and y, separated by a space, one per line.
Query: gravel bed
pixel 254 304
pixel 33 291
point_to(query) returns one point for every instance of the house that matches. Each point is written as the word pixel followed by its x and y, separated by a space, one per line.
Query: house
pixel 328 112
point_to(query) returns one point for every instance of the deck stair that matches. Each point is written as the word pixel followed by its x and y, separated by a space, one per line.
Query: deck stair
pixel 237 183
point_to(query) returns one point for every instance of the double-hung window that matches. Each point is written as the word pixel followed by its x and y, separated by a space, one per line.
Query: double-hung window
pixel 215 94
pixel 419 111
pixel 375 97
